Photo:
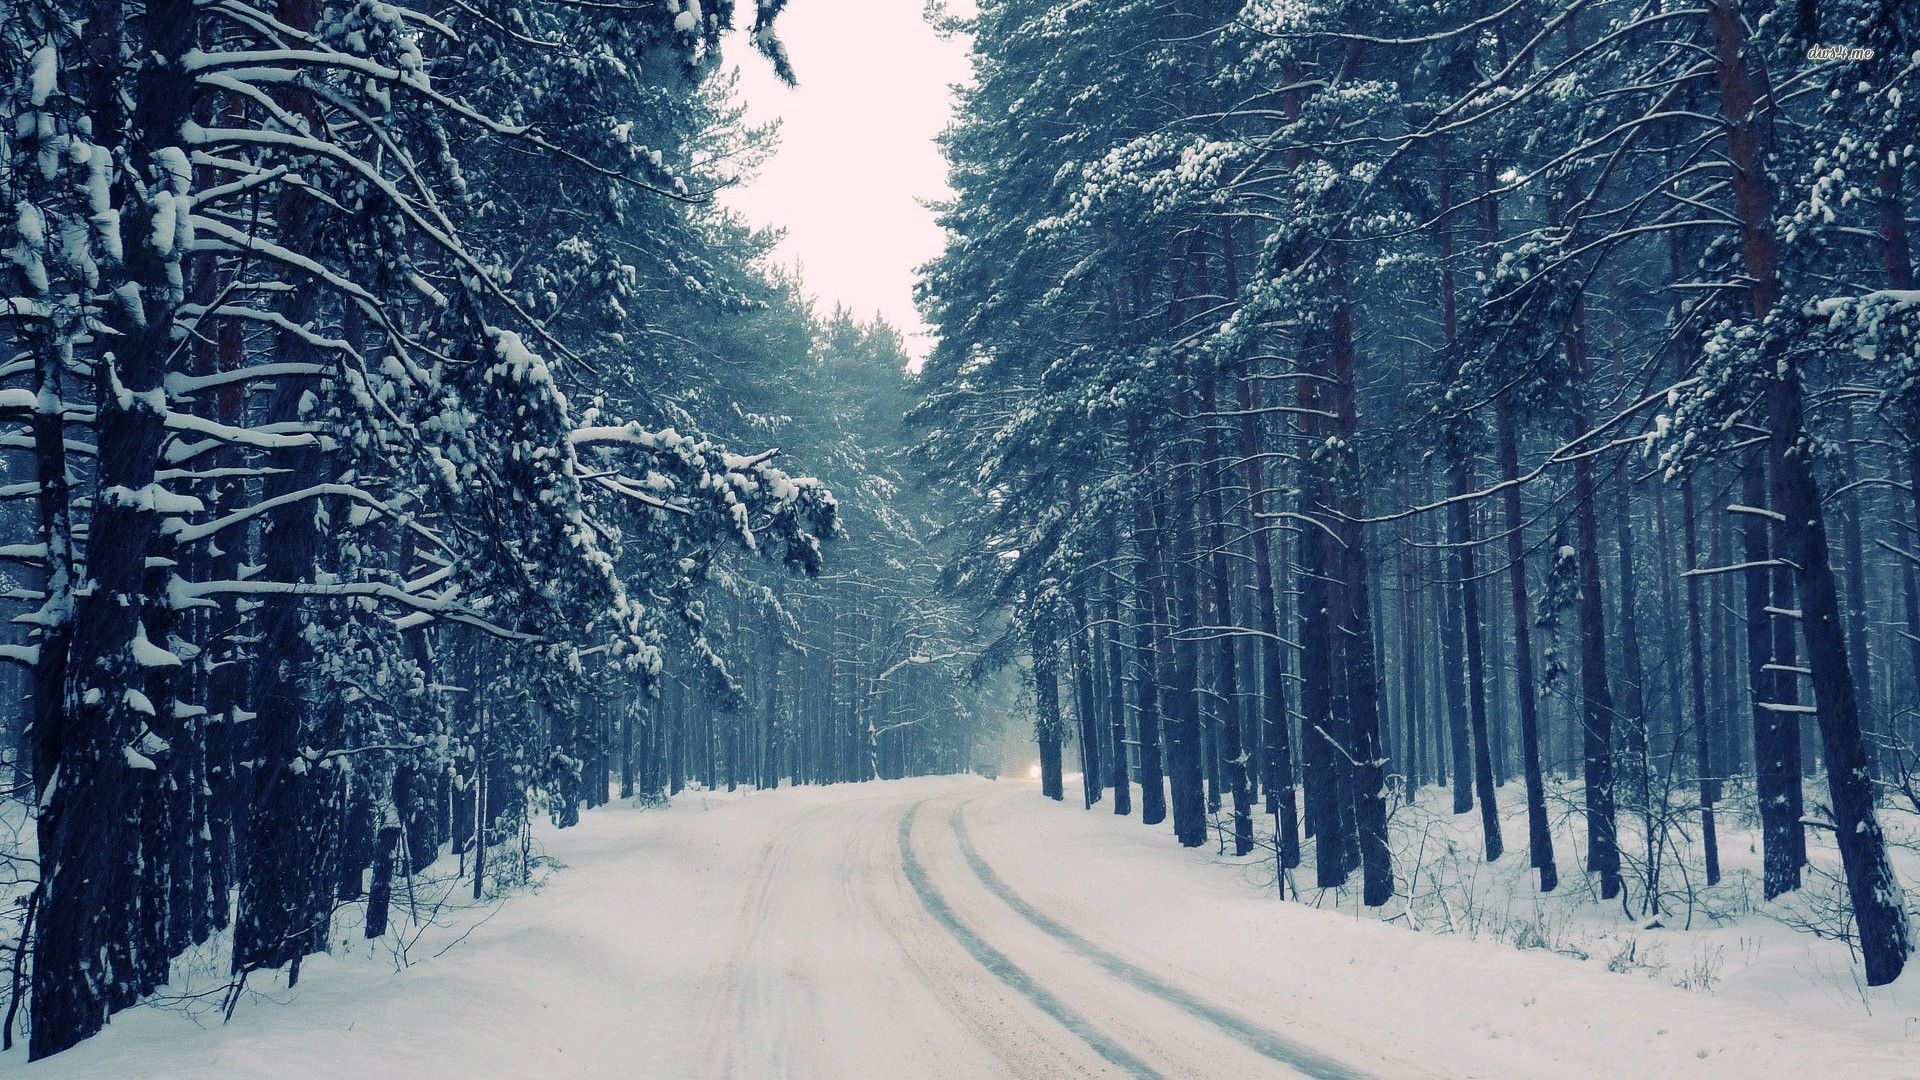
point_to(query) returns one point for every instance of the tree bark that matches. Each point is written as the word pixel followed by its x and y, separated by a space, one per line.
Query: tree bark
pixel 1463 546
pixel 1232 748
pixel 1085 709
pixel 1597 710
pixel 1363 761
pixel 1697 672
pixel 1539 830
pixel 1146 655
pixel 1182 705
pixel 1117 704
pixel 1047 728
pixel 88 830
pixel 1878 905
pixel 1278 758
pixel 1633 699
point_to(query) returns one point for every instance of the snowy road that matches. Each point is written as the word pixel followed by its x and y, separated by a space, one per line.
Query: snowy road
pixel 946 928
pixel 876 939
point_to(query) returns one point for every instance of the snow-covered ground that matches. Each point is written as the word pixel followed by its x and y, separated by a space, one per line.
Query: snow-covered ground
pixel 955 927
pixel 1724 941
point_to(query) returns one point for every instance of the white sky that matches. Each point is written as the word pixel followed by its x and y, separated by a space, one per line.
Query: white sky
pixel 857 154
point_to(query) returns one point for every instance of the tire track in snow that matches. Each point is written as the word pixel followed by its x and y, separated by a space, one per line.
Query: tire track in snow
pixel 1004 969
pixel 1263 1041
pixel 743 985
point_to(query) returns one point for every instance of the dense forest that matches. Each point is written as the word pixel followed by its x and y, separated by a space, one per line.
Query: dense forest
pixel 1337 416
pixel 390 459
pixel 1348 398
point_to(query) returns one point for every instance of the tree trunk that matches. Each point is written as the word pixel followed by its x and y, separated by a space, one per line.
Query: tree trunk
pixel 1181 707
pixel 1232 748
pixel 1466 569
pixel 774 728
pixel 1878 905
pixel 1539 830
pixel 1603 852
pixel 1316 712
pixel 1859 661
pixel 1415 687
pixel 1083 703
pixel 1278 758
pixel 1697 671
pixel 1633 700
pixel 1463 545
pixel 1117 705
pixel 380 890
pixel 1047 729
pixel 1453 663
pixel 88 829
pixel 1776 735
pixel 1362 760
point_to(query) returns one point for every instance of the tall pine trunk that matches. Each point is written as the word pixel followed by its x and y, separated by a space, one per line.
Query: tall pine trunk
pixel 1117 703
pixel 1878 905
pixel 1539 829
pixel 1703 719
pixel 1233 743
pixel 1633 697
pixel 1776 728
pixel 89 827
pixel 1146 645
pixel 1461 541
pixel 1278 758
pixel 1363 758
pixel 1318 660
pixel 1181 708
pixel 1596 694
pixel 1086 712
pixel 1047 728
